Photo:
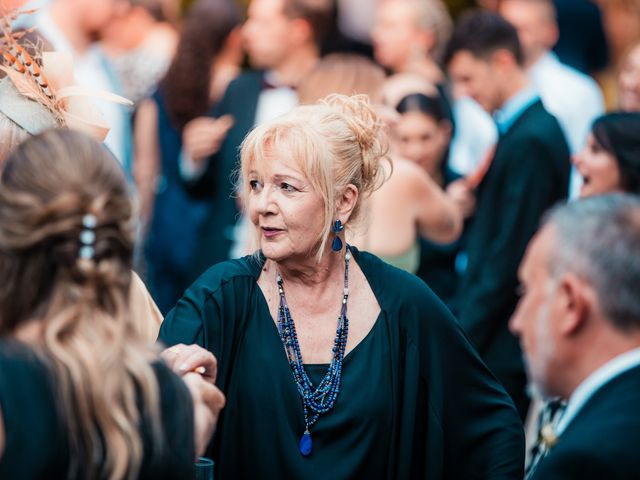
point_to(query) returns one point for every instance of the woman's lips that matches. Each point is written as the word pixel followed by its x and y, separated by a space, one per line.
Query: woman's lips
pixel 269 232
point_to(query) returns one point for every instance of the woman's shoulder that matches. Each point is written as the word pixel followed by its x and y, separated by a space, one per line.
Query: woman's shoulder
pixel 244 268
pixel 17 355
pixel 404 169
pixel 408 176
pixel 390 283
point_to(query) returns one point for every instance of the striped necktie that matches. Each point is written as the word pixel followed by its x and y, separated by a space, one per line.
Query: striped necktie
pixel 548 420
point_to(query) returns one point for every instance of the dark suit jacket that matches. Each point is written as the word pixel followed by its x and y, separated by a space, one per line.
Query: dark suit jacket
pixel 240 101
pixel 529 173
pixel 601 442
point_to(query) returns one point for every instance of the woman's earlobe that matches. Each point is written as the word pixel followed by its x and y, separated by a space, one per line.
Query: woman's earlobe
pixel 348 201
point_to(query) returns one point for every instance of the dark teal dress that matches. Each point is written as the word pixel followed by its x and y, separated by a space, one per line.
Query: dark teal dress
pixel 36 438
pixel 416 401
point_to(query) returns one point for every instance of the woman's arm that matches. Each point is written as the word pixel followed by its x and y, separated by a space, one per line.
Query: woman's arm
pixel 144 311
pixel 147 156
pixel 437 217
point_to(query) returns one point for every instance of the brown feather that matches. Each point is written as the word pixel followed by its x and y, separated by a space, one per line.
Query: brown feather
pixel 23 70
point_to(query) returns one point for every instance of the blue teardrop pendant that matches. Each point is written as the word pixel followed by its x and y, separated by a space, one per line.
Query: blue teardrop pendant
pixel 336 245
pixel 305 443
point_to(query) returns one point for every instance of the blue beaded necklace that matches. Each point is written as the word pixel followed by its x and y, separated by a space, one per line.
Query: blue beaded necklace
pixel 319 400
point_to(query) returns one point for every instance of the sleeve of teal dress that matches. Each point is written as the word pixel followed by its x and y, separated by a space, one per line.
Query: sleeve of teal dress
pixel 211 312
pixel 482 433
pixel 453 419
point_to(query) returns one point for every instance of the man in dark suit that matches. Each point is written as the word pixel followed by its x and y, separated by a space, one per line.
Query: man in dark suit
pixel 528 173
pixel 282 38
pixel 579 325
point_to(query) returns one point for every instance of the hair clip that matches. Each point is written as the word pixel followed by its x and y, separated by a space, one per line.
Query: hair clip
pixel 89 221
pixel 88 237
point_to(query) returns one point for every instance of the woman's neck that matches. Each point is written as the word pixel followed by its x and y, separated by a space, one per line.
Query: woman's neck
pixel 309 272
pixel 29 332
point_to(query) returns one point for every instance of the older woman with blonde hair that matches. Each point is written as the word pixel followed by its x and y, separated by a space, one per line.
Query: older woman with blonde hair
pixel 335 364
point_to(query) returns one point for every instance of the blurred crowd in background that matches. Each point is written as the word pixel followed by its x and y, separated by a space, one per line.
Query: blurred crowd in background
pixel 202 73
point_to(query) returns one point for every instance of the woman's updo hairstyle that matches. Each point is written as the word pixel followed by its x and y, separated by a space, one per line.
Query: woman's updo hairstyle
pixel 336 142
pixel 50 183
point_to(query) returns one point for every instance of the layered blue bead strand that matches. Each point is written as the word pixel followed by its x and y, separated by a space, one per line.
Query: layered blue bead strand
pixel 321 399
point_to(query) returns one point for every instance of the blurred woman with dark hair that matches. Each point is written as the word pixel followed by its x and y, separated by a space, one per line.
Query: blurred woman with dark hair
pixel 611 160
pixel 208 57
pixel 422 134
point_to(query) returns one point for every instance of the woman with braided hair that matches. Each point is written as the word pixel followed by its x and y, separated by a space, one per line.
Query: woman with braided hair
pixel 82 393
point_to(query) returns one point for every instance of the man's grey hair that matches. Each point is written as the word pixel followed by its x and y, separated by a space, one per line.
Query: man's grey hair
pixel 598 239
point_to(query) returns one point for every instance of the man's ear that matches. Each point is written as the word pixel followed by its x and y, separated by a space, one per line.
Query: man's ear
pixel 551 35
pixel 300 31
pixel 503 59
pixel 426 39
pixel 447 129
pixel 347 202
pixel 576 298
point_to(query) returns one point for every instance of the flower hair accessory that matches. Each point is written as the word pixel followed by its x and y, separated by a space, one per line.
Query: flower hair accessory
pixel 47 79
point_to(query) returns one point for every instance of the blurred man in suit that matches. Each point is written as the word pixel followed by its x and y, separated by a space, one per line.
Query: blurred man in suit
pixel 571 96
pixel 579 325
pixel 528 173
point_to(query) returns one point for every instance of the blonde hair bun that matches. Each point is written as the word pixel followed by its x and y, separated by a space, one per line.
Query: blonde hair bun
pixel 368 129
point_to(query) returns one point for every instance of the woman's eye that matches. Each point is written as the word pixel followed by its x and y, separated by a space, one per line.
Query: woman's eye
pixel 286 187
pixel 254 184
pixel 596 148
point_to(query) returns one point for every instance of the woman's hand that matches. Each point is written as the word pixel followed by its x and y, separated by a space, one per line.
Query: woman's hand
pixel 198 368
pixel 203 136
pixel 463 197
pixel 183 358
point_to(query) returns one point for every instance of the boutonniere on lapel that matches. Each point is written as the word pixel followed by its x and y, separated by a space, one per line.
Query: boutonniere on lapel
pixel 548 436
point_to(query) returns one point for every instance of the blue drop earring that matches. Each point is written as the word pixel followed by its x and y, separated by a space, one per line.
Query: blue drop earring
pixel 336 245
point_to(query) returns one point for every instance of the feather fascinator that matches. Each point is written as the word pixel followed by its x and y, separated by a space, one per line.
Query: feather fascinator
pixel 39 90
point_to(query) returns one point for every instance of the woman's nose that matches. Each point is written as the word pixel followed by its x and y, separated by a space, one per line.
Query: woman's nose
pixel 266 203
pixel 576 158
